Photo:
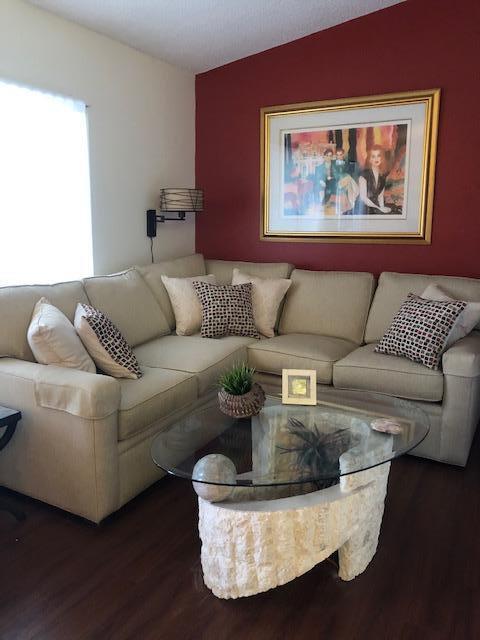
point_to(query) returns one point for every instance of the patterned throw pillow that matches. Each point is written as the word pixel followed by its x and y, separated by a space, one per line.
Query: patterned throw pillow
pixel 226 310
pixel 105 344
pixel 420 330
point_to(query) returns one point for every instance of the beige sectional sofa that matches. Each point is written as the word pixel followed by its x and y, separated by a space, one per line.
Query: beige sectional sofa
pixel 84 441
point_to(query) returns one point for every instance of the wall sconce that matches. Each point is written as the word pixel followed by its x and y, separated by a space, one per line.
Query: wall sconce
pixel 179 201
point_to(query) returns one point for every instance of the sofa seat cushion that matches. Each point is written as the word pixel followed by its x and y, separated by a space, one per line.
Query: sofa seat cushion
pixel 154 396
pixel 205 357
pixel 369 371
pixel 299 351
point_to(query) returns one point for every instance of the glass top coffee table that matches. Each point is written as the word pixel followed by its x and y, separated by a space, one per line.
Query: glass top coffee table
pixel 281 491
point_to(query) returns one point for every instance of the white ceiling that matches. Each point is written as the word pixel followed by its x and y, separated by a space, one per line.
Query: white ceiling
pixel 202 34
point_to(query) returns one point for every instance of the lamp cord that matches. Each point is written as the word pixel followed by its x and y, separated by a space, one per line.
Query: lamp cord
pixel 151 249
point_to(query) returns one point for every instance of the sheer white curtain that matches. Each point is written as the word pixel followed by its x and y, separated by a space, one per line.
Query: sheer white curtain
pixel 45 216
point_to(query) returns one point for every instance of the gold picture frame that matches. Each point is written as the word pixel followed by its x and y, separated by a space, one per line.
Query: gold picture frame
pixel 297 203
pixel 299 386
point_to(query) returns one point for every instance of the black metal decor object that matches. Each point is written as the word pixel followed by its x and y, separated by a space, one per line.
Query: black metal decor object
pixel 153 218
pixel 318 453
pixel 151 223
pixel 9 419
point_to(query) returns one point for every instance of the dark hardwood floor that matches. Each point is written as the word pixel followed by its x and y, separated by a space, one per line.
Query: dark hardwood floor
pixel 138 575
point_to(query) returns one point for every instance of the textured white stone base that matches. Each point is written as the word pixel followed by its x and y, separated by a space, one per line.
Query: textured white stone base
pixel 250 547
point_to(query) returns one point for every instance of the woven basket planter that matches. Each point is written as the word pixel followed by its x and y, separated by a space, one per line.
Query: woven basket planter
pixel 244 406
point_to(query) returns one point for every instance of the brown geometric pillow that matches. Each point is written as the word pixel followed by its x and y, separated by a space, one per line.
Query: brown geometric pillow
pixel 226 310
pixel 105 344
pixel 420 329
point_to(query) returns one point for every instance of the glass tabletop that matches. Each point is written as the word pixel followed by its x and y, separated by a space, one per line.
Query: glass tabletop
pixel 290 444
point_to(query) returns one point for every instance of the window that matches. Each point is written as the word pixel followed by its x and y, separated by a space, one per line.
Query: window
pixel 45 216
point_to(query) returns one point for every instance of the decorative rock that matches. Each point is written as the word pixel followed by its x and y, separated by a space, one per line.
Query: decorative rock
pixel 215 468
pixel 245 406
pixel 385 425
pixel 251 547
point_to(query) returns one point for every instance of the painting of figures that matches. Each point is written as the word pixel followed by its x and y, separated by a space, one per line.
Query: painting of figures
pixel 341 172
pixel 350 169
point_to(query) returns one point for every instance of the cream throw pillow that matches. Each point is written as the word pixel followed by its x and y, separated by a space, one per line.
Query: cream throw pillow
pixel 185 303
pixel 53 339
pixel 267 295
pixel 104 342
pixel 467 320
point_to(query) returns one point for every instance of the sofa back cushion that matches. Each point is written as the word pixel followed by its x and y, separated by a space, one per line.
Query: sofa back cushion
pixel 128 302
pixel 16 309
pixel 328 303
pixel 393 289
pixel 185 267
pixel 223 269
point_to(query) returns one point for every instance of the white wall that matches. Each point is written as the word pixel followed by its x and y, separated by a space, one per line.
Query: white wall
pixel 141 124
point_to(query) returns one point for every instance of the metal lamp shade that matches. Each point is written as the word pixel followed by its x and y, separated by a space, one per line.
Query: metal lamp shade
pixel 181 200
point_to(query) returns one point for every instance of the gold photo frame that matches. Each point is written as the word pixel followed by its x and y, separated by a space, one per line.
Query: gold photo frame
pixel 350 170
pixel 299 386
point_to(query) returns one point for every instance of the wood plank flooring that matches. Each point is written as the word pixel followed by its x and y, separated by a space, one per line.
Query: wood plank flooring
pixel 138 575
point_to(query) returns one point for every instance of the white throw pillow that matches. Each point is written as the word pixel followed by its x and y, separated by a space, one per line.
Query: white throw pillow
pixel 53 339
pixel 185 303
pixel 467 320
pixel 104 342
pixel 267 295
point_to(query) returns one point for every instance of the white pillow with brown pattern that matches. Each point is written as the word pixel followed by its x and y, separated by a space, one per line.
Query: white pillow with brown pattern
pixel 420 329
pixel 227 310
pixel 105 344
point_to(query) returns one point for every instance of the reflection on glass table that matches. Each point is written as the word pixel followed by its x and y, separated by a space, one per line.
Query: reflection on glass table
pixel 288 444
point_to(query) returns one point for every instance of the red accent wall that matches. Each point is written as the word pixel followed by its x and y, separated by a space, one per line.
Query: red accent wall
pixel 419 44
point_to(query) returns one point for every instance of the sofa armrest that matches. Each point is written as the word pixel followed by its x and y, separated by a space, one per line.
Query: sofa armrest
pixel 82 394
pixel 65 449
pixel 463 358
pixel 461 399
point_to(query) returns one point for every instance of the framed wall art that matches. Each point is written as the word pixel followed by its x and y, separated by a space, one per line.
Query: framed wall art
pixel 350 170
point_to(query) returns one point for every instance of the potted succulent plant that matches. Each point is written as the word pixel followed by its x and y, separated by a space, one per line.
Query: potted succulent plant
pixel 239 395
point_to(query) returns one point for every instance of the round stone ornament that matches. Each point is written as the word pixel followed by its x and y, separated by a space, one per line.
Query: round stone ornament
pixel 214 468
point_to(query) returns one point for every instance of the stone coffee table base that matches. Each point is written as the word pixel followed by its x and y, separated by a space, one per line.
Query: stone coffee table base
pixel 252 546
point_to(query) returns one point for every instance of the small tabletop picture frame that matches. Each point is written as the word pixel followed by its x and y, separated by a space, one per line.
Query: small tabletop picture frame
pixel 299 386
